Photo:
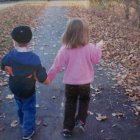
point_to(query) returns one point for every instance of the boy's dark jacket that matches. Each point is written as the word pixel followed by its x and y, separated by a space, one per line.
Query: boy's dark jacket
pixel 24 66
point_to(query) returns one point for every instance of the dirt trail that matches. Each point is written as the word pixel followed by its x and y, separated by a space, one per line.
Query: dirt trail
pixel 106 97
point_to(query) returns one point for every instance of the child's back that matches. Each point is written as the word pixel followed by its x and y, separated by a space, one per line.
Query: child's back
pixel 78 63
pixel 25 64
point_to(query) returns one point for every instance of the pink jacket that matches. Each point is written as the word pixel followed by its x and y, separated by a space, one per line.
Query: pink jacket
pixel 77 63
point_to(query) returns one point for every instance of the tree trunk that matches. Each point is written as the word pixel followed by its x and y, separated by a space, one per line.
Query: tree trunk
pixel 127 3
pixel 138 12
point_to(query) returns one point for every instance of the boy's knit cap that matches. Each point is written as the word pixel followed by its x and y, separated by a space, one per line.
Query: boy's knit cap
pixel 22 34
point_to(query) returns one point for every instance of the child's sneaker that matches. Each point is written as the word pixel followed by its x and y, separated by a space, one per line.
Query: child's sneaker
pixel 28 137
pixel 80 125
pixel 66 133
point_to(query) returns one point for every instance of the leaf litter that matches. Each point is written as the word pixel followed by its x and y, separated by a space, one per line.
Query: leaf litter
pixel 118 114
pixel 121 52
pixel 100 117
pixel 14 123
pixel 10 96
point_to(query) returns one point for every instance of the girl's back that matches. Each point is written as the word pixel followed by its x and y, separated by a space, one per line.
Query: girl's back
pixel 77 55
pixel 78 63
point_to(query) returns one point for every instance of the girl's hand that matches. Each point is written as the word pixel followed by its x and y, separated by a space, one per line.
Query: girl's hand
pixel 100 43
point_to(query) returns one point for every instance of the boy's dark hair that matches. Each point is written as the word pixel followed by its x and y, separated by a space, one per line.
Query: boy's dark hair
pixel 22 34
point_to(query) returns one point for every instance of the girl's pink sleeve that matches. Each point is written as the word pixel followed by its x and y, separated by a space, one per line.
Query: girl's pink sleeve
pixel 96 54
pixel 58 64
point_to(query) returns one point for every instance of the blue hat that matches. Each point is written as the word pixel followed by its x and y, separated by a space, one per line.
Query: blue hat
pixel 22 34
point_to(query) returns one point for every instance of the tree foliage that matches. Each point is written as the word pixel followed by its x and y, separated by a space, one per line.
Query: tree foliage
pixel 128 5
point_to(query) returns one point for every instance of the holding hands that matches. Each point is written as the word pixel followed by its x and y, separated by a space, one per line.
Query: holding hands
pixel 47 81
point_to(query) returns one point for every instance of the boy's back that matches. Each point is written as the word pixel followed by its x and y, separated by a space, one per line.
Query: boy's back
pixel 24 65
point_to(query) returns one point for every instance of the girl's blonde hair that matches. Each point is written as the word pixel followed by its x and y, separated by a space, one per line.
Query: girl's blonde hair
pixel 76 34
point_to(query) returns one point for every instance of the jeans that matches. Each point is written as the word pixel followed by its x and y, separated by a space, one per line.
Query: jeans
pixel 75 93
pixel 26 113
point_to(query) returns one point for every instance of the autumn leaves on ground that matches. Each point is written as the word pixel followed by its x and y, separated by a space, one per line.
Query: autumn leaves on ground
pixel 9 19
pixel 121 55
pixel 122 41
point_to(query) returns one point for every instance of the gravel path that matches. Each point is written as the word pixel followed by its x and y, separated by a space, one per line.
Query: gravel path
pixel 106 97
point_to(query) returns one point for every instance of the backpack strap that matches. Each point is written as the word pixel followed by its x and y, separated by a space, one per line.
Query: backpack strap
pixel 10 72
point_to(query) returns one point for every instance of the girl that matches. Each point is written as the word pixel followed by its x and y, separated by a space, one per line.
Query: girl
pixel 77 57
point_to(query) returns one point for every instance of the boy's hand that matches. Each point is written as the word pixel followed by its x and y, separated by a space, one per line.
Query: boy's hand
pixel 47 81
pixel 9 70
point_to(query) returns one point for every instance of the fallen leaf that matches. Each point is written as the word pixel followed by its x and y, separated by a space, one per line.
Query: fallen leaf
pixel 134 98
pixel 37 106
pixel 101 117
pixel 99 69
pixel 136 113
pixel 93 95
pixel 90 113
pixel 118 114
pixel 10 96
pixel 53 97
pixel 91 86
pixel 138 108
pixel 2 115
pixel 4 83
pixel 14 123
pixel 38 122
pixel 114 125
pixel 45 124
pixel 102 131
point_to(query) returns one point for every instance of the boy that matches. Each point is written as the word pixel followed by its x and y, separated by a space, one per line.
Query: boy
pixel 24 68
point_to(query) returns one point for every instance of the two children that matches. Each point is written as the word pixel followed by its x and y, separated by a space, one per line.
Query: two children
pixel 76 56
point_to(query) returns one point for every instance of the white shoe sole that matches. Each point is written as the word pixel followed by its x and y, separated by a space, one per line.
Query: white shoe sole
pixel 29 137
pixel 82 129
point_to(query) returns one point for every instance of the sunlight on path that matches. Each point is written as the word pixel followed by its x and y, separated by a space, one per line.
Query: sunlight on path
pixel 9 4
pixel 69 3
pixel 3 6
pixel 50 3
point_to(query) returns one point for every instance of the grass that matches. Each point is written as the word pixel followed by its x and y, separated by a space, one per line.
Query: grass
pixel 100 4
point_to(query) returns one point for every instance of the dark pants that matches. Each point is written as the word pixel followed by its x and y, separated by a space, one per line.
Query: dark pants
pixel 75 93
pixel 26 113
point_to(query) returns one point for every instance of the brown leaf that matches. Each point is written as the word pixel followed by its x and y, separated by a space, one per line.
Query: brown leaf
pixel 53 97
pixel 101 117
pixel 121 50
pixel 14 123
pixel 118 114
pixel 90 113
